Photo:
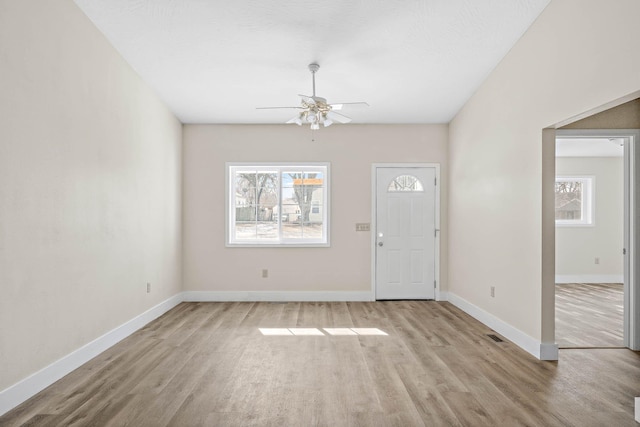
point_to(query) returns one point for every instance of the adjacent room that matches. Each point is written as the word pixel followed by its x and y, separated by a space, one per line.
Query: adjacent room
pixel 589 242
pixel 318 213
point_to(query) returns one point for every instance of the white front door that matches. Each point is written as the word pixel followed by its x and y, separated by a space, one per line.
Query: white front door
pixel 405 232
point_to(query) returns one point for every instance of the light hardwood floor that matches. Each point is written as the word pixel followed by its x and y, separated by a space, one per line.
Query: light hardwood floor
pixel 208 364
pixel 589 315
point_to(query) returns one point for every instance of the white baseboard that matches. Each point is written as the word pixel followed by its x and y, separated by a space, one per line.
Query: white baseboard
pixel 33 384
pixel 589 278
pixel 542 351
pixel 223 296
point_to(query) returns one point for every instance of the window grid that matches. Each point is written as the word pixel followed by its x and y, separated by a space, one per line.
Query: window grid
pixel 405 183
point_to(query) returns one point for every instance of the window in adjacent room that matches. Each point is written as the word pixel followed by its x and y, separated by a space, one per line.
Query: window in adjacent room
pixel 278 204
pixel 574 200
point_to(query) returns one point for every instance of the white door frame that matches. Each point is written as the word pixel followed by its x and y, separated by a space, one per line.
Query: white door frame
pixel 374 219
pixel 631 320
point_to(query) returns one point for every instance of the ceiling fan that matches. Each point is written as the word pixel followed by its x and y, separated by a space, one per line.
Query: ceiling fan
pixel 315 110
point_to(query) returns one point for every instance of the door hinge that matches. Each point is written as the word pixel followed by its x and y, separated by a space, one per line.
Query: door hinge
pixel 435 232
pixel 435 181
pixel 624 251
pixel 434 283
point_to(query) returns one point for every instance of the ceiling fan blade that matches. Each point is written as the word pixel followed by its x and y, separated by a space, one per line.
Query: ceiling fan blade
pixel 273 108
pixel 295 120
pixel 307 99
pixel 338 105
pixel 340 118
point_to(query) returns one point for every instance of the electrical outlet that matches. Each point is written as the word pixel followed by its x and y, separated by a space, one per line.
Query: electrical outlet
pixel 493 291
pixel 265 273
pixel 148 288
pixel 597 260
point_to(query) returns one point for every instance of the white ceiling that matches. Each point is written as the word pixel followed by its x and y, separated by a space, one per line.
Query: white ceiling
pixel 214 61
pixel 589 147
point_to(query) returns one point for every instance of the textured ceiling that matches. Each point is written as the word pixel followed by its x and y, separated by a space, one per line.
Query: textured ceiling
pixel 413 61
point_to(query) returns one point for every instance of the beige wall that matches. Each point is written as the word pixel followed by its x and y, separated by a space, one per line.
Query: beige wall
pixel 351 149
pixel 565 65
pixel 577 247
pixel 90 164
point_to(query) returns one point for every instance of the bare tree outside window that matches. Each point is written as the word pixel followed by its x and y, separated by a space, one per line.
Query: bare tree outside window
pixel 303 196
pixel 304 185
pixel 574 200
pixel 256 195
pixel 568 200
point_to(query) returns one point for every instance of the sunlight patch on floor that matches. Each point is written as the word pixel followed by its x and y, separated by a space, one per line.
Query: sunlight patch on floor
pixel 368 331
pixel 317 332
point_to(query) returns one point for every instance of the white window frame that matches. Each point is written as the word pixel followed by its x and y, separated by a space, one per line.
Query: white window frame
pixel 232 167
pixel 588 201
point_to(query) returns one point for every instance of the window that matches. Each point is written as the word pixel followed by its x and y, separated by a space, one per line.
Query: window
pixel 277 204
pixel 405 183
pixel 574 200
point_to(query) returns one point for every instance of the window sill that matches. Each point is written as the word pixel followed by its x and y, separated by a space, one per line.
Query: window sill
pixel 574 225
pixel 277 245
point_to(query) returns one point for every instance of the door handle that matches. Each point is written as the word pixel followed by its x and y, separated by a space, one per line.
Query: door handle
pixel 380 244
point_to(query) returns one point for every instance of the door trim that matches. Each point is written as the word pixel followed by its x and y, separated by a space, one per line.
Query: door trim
pixel 374 219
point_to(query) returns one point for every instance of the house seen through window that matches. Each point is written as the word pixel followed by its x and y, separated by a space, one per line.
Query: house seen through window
pixel 278 204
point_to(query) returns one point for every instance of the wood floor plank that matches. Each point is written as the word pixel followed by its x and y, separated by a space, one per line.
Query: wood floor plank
pixel 208 364
pixel 428 400
pixel 589 315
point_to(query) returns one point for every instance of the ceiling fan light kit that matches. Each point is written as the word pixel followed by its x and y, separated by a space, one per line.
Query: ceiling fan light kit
pixel 315 110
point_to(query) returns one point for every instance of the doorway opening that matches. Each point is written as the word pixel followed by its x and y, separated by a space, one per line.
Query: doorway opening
pixel 594 201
